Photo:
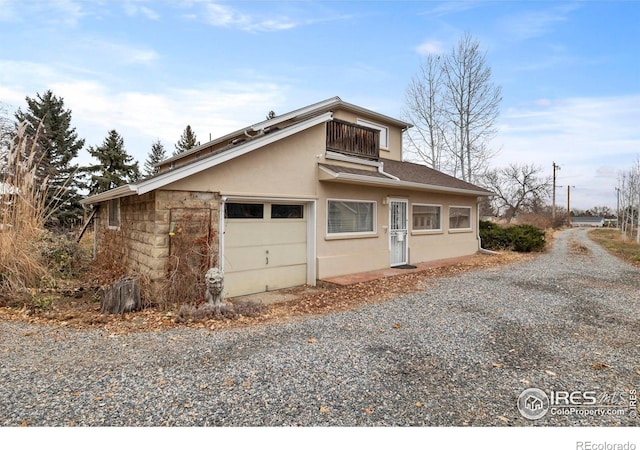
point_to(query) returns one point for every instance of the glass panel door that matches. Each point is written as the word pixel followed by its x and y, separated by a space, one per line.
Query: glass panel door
pixel 398 224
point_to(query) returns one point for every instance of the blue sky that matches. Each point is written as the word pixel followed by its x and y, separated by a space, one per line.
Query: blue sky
pixel 570 71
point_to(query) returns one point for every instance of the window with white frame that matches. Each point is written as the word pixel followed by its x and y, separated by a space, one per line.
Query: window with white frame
pixel 426 217
pixel 384 132
pixel 114 213
pixel 459 217
pixel 346 216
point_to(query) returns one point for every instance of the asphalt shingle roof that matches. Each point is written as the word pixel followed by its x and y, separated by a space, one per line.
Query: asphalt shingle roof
pixel 410 172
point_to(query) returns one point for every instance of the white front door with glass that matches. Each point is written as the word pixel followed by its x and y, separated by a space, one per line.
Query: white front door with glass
pixel 398 224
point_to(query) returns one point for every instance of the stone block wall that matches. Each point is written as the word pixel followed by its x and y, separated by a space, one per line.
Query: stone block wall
pixel 143 241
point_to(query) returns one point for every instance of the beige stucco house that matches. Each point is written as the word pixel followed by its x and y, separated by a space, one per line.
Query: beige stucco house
pixel 312 194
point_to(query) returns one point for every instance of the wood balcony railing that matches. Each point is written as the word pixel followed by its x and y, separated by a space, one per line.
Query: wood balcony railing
pixel 354 140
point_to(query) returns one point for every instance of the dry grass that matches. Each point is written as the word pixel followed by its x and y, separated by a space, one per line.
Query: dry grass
pixel 33 260
pixel 24 212
pixel 611 239
pixel 576 247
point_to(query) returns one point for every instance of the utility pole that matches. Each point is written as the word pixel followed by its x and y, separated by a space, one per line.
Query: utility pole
pixel 553 207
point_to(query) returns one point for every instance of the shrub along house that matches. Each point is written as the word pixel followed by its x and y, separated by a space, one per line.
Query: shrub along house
pixel 315 193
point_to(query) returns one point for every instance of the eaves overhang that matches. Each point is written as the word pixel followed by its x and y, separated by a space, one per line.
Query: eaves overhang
pixel 326 174
pixel 122 191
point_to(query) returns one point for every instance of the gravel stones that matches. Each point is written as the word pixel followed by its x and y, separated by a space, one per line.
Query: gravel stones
pixel 458 353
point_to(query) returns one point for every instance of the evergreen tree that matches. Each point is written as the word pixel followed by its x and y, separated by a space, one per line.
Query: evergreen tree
pixel 57 145
pixel 115 167
pixel 156 155
pixel 187 141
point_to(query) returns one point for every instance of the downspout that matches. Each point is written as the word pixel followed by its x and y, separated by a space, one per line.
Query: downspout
pixel 480 249
pixel 381 171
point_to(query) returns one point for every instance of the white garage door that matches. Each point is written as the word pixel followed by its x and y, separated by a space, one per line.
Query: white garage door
pixel 265 247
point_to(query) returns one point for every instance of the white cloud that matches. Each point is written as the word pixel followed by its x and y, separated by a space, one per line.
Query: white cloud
pixel 133 9
pixel 141 117
pixel 592 139
pixel 95 52
pixel 7 13
pixel 430 47
pixel 69 12
pixel 225 16
pixel 447 8
pixel 59 12
pixel 607 172
pixel 534 23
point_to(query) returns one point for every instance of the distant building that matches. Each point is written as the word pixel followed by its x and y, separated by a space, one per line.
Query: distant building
pixel 587 221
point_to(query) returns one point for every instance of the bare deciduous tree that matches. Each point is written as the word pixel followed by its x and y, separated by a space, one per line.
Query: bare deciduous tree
pixel 424 107
pixel 599 211
pixel 629 198
pixel 518 188
pixel 454 105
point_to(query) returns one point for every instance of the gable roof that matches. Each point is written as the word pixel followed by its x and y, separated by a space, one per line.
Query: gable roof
pixel 240 142
pixel 401 174
pixel 299 114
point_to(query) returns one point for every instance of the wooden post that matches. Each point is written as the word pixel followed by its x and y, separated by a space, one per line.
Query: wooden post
pixel 121 297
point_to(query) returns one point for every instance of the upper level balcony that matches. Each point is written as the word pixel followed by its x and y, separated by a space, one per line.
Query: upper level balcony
pixel 353 140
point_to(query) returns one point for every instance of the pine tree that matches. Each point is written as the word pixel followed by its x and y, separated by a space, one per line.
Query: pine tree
pixel 187 141
pixel 156 155
pixel 57 145
pixel 115 167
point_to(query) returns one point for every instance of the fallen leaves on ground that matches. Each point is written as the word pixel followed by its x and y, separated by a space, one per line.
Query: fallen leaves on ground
pixel 600 366
pixel 84 312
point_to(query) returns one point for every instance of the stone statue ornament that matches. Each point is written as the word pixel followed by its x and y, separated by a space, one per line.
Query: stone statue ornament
pixel 214 279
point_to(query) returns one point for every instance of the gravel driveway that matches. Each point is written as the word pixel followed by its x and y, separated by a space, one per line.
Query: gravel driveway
pixel 459 353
